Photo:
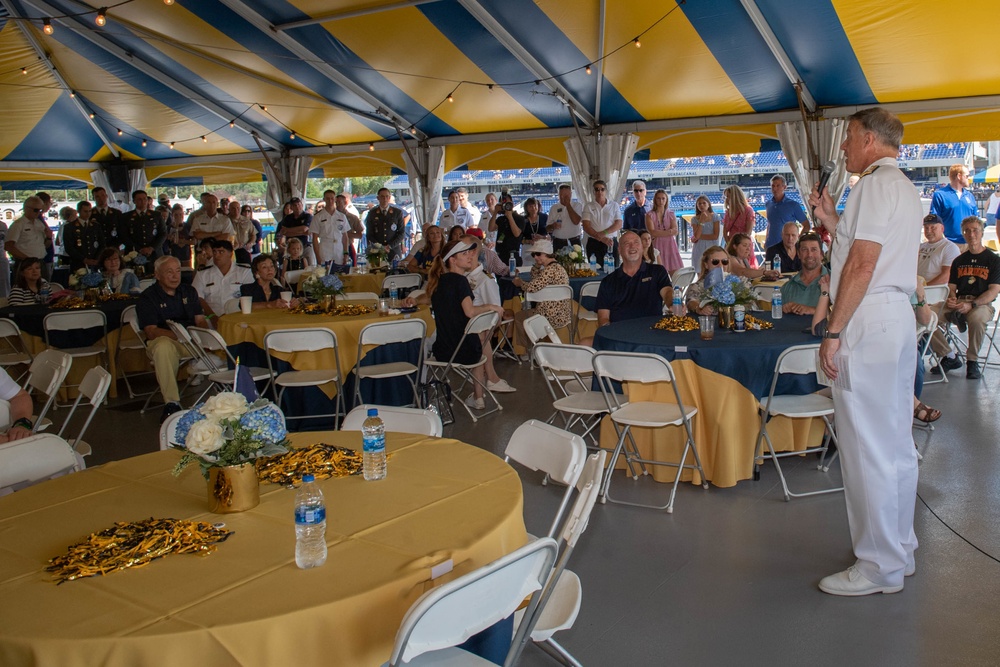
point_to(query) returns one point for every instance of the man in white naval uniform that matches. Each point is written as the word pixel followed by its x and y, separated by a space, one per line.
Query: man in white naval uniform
pixel 869 348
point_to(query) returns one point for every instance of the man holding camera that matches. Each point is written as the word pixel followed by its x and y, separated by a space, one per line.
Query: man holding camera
pixel 509 226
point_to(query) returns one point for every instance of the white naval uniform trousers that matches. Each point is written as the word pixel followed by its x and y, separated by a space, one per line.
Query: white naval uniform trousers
pixel 874 435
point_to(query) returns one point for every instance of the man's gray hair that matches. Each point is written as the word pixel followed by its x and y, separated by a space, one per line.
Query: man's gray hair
pixel 641 184
pixel 778 177
pixel 973 220
pixel 160 261
pixel 565 186
pixel 886 127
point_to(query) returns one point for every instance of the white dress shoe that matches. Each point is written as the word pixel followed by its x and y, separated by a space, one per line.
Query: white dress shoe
pixel 852 583
pixel 475 403
pixel 500 386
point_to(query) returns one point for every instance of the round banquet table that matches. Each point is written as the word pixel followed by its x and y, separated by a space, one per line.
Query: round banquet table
pixel 723 378
pixel 247 603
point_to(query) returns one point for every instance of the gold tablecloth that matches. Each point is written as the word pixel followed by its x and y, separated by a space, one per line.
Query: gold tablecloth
pixel 248 603
pixel 363 282
pixel 725 428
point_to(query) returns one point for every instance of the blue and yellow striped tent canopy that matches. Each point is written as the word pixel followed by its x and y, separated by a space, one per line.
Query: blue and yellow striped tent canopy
pixel 196 88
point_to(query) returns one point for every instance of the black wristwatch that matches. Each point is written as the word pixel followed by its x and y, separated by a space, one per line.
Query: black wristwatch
pixel 24 423
pixel 829 334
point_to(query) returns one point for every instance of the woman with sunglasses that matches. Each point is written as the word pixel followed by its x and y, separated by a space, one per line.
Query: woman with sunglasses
pixel 740 251
pixel 662 226
pixel 546 271
pixel 713 258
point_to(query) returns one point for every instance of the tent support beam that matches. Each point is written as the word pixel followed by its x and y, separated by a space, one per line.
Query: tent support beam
pixel 536 68
pixel 44 56
pixel 293 45
pixel 764 28
pixel 350 14
pixel 149 69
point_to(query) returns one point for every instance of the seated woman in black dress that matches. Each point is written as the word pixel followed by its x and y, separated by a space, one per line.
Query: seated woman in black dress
pixel 265 290
pixel 451 300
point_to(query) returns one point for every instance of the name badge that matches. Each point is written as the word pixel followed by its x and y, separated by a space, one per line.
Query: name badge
pixel 646 279
pixel 393 226
pixel 210 285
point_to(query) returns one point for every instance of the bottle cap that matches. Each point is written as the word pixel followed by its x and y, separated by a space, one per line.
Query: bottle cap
pixel 308 478
pixel 373 412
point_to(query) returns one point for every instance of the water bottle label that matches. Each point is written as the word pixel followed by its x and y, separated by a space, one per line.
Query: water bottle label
pixel 374 444
pixel 307 515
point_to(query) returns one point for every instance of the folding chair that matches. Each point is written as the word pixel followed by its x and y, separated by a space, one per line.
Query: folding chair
pixel 538 329
pixel 407 281
pixel 211 345
pixel 13 351
pixel 312 340
pixel 46 375
pixel 451 613
pixel 35 459
pixel 145 283
pixel 763 293
pixel 568 370
pixel 199 365
pixel 292 278
pixel 588 290
pixel 186 357
pixel 398 420
pixel 645 369
pixel 168 428
pixel 388 333
pixel 991 339
pixel 94 387
pixel 70 321
pixel 681 278
pixel 440 370
pixel 799 360
pixel 358 296
pixel 504 346
pixel 558 453
pixel 138 342
pixel 563 594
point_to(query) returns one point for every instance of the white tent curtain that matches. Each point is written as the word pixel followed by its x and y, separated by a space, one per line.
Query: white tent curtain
pixel 426 195
pixel 100 180
pixel 827 135
pixel 288 182
pixel 610 159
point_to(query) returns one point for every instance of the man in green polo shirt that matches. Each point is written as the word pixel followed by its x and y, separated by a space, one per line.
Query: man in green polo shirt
pixel 802 291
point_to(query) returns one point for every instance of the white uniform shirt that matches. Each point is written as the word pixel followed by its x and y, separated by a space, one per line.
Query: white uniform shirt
pixel 451 218
pixel 474 216
pixel 330 227
pixel 216 289
pixel 602 217
pixel 28 236
pixel 212 225
pixel 935 256
pixel 881 208
pixel 991 205
pixel 8 388
pixel 485 290
pixel 567 230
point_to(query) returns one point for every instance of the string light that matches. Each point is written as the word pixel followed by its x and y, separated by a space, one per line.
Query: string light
pixel 637 42
pixel 263 107
pixel 101 19
pixel 292 136
pixel 91 115
pixel 371 146
pixel 72 94
pixel 119 133
pixel 171 145
pixel 588 68
pixel 451 98
pixel 490 87
pixel 143 143
pixel 168 2
pixel 47 27
pixel 204 140
pixel 24 70
pixel 232 123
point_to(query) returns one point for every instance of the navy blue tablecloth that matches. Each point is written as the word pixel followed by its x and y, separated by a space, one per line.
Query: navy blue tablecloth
pixel 29 319
pixel 748 357
pixel 508 291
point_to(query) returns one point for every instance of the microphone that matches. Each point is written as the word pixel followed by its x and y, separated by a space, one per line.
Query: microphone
pixel 824 177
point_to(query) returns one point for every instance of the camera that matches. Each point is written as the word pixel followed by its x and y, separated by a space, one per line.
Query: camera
pixel 508 206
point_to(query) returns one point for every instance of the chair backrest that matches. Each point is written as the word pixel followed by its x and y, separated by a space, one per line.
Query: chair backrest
pixel 184 338
pixel 131 318
pixel 358 296
pixel 482 322
pixel 10 334
pixel 293 277
pixel 589 486
pixel 55 287
pixel 682 277
pixel 395 331
pixel 631 367
pixel 550 293
pixel 169 427
pixel 935 294
pixel 34 459
pixel 71 320
pixel 94 387
pixel 145 283
pixel 538 328
pixel 590 289
pixel 930 327
pixel 211 342
pixel 558 360
pixel 449 614
pixel 231 306
pixel 399 420
pixel 764 292
pixel 46 375
pixel 403 281
pixel 300 340
pixel 797 360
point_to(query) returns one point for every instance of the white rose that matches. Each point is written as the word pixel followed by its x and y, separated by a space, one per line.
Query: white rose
pixel 319 272
pixel 225 405
pixel 204 437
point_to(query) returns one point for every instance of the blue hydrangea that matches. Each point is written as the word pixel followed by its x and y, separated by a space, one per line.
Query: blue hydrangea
pixel 140 260
pixel 91 280
pixel 185 423
pixel 267 422
pixel 332 281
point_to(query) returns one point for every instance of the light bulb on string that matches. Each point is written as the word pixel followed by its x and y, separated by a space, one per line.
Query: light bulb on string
pixel 102 17
pixel 168 2
pixel 171 145
pixel 204 140
pixel 588 69
pixel 371 146
pixel 637 42
pixel 24 70
pixel 292 136
pixel 47 27
pixel 119 132
pixel 143 143
pixel 232 123
pixel 451 97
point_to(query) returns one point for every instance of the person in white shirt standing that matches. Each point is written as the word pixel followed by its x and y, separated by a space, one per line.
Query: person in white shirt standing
pixel 329 229
pixel 211 222
pixel 991 207
pixel 220 282
pixel 29 235
pixel 602 220
pixel 564 223
pixel 455 214
pixel 937 254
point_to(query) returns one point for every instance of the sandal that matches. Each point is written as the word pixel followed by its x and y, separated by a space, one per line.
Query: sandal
pixel 926 413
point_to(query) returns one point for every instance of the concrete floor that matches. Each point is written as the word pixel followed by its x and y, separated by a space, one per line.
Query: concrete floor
pixel 730 577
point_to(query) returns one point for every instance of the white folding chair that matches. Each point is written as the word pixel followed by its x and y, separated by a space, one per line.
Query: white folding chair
pixel 312 340
pixel 138 342
pixel 563 594
pixel 46 375
pixel 681 278
pixel 549 293
pixel 186 357
pixel 763 293
pixel 410 281
pixel 539 329
pixel 398 420
pixel 991 339
pixel 388 333
pixel 568 370
pixel 625 414
pixel 935 294
pixel 55 287
pixel 94 387
pixel 73 320
pixel 169 427
pixel 358 296
pixel 440 370
pixel 145 283
pixel 35 459
pixel 231 306
pixel 199 365
pixel 588 290
pixel 798 360
pixel 292 278
pixel 451 613
pixel 558 453
pixel 211 344
pixel 13 351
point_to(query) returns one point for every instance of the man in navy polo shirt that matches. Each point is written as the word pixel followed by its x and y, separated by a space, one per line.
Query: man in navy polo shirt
pixel 634 217
pixel 953 203
pixel 635 289
pixel 781 209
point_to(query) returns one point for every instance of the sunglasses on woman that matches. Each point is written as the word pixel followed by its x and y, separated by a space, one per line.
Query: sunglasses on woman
pixel 716 262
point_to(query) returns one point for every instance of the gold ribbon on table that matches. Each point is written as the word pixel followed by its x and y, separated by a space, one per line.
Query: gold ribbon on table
pixel 320 460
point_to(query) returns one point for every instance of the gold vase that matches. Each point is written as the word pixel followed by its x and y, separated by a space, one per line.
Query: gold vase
pixel 328 302
pixel 233 489
pixel 725 317
pixel 91 294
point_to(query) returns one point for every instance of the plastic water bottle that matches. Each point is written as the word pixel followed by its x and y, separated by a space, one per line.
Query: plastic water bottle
pixel 776 263
pixel 678 309
pixel 512 265
pixel 373 436
pixel 44 293
pixel 609 262
pixel 362 264
pixel 593 264
pixel 393 295
pixel 776 304
pixel 310 525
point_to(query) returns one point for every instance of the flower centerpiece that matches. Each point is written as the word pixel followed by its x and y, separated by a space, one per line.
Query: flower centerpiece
pixel 223 436
pixel 137 261
pixel 377 255
pixel 571 257
pixel 728 292
pixel 90 282
pixel 322 286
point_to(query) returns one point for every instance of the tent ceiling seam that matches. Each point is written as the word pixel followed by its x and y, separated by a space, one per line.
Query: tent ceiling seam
pixel 764 28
